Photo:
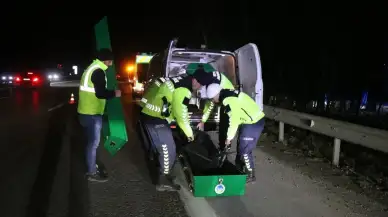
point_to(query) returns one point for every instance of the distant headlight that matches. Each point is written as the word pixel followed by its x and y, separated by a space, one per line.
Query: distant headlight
pixel 55 76
pixel 50 76
pixel 10 78
pixel 3 78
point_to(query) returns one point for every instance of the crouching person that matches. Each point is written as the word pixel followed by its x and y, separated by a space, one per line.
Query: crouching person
pixel 242 110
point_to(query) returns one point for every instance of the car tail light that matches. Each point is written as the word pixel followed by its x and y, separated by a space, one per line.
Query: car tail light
pixel 17 79
pixel 35 79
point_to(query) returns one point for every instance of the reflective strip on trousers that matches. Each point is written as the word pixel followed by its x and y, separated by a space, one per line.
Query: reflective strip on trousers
pixel 166 159
pixel 247 163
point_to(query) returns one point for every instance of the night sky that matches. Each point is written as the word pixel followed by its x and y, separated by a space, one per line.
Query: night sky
pixel 310 46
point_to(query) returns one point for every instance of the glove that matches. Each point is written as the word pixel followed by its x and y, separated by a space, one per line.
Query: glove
pixel 201 126
pixel 228 144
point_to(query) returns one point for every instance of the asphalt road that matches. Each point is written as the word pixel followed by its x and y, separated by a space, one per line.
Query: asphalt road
pixel 24 127
pixel 43 165
pixel 289 185
pixel 42 158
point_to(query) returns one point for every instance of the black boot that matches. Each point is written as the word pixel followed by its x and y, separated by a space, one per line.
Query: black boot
pixel 101 170
pixel 165 183
pixel 251 178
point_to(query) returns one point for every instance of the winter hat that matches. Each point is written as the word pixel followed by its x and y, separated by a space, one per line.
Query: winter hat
pixel 105 54
pixel 203 77
pixel 212 90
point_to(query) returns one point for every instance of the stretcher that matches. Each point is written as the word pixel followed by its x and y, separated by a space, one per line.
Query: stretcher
pixel 208 172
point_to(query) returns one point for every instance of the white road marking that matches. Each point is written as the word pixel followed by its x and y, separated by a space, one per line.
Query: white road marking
pixel 195 206
pixel 56 107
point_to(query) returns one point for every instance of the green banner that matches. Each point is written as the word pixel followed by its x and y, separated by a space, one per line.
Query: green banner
pixel 114 128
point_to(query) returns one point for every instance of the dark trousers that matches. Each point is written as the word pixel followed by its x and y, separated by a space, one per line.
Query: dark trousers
pixel 163 142
pixel 249 135
pixel 92 125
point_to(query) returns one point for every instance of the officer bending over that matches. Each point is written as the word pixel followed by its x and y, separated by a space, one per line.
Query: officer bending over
pixel 167 102
pixel 203 79
pixel 242 110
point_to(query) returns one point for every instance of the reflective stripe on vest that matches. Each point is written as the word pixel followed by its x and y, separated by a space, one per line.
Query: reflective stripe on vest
pixel 153 107
pixel 170 86
pixel 85 86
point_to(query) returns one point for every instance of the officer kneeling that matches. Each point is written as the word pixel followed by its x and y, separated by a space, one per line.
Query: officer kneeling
pixel 167 100
pixel 242 110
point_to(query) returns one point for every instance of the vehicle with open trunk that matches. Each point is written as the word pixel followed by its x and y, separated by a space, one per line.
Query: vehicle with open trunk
pixel 242 67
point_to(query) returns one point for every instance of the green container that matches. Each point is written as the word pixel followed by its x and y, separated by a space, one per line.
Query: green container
pixel 205 178
pixel 114 128
pixel 226 181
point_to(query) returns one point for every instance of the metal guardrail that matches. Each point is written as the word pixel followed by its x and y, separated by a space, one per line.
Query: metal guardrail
pixel 65 84
pixel 5 92
pixel 365 136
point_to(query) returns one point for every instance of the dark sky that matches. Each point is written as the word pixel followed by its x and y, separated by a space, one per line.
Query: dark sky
pixel 297 41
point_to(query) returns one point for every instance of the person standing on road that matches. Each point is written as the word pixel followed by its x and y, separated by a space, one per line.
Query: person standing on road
pixel 242 110
pixel 160 106
pixel 202 79
pixel 91 105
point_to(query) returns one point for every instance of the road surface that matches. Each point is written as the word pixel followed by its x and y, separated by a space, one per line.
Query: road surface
pixel 292 186
pixel 42 173
pixel 24 127
pixel 287 185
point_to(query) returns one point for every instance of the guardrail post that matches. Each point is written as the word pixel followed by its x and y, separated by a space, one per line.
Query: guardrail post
pixel 336 151
pixel 281 131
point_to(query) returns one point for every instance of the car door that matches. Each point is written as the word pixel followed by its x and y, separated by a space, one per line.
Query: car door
pixel 249 72
pixel 167 60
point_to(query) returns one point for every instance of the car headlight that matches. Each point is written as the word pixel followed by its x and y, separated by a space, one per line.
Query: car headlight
pixel 55 76
pixel 50 76
pixel 10 78
pixel 3 78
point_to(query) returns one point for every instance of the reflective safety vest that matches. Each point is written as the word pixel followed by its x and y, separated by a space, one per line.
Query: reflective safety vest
pixel 88 103
pixel 157 98
pixel 152 90
pixel 169 102
pixel 241 109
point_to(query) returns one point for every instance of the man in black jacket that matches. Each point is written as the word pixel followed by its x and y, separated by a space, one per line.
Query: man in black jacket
pixel 91 105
